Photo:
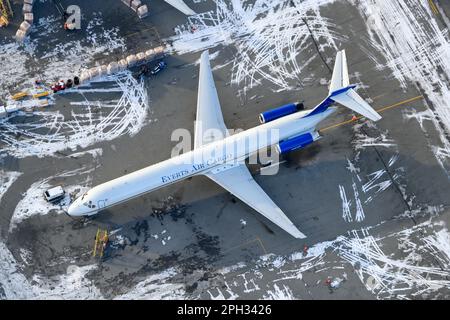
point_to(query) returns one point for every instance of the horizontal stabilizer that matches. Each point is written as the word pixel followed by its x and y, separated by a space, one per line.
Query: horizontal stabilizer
pixel 350 99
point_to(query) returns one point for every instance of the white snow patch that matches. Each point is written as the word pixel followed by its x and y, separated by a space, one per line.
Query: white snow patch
pixel 408 36
pixel 26 256
pixel 90 123
pixel 21 62
pixel 362 141
pixel 346 204
pixel 359 208
pixel 34 203
pixel 72 285
pixel 69 286
pixel 95 153
pixel 156 287
pixel 284 293
pixel 6 181
pixel 269 37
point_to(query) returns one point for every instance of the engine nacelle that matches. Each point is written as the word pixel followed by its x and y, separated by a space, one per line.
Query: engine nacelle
pixel 297 142
pixel 280 112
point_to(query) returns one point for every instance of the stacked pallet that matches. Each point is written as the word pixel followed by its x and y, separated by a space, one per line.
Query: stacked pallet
pixel 130 61
pixel 138 7
pixel 25 26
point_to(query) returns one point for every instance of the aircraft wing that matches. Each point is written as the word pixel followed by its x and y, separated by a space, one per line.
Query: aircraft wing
pixel 240 183
pixel 209 126
pixel 180 5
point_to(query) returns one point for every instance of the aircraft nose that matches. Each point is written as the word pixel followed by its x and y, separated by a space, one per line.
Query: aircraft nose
pixel 75 209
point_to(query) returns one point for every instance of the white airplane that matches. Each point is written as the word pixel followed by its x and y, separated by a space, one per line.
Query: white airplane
pixel 180 5
pixel 221 157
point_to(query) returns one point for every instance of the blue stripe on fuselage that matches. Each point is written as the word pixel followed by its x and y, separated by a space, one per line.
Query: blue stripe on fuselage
pixel 321 107
pixel 325 104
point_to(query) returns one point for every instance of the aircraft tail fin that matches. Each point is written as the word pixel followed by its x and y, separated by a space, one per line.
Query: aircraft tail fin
pixel 340 78
pixel 343 93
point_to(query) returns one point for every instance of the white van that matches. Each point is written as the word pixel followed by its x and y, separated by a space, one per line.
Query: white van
pixel 54 194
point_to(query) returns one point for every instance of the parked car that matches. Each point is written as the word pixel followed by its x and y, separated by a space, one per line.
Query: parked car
pixel 161 65
pixel 54 194
pixel 59 86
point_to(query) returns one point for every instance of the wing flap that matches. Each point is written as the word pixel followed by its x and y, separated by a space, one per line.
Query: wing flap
pixel 241 184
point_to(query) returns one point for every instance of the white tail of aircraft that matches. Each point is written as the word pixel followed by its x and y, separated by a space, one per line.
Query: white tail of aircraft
pixel 339 79
pixel 348 98
pixel 343 93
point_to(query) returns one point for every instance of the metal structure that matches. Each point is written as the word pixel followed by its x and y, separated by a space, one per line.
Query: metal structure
pixel 101 240
pixel 6 13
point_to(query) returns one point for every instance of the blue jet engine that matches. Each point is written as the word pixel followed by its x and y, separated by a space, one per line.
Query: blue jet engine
pixel 297 142
pixel 280 112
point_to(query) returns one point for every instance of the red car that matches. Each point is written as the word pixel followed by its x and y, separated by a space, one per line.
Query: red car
pixel 58 86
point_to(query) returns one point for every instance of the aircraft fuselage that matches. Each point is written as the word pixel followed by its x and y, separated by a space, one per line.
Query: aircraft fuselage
pixel 216 155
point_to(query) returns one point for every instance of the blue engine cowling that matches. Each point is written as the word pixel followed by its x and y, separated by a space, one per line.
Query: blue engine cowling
pixel 297 142
pixel 280 112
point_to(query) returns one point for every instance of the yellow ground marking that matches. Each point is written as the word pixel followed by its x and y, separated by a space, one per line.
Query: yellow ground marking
pixel 261 244
pixel 257 239
pixel 379 96
pixel 379 111
pixel 137 32
pixel 433 7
